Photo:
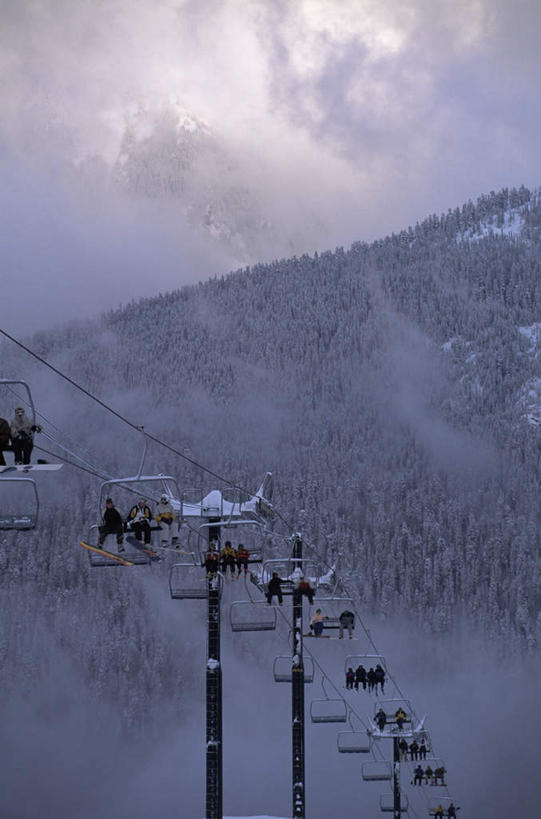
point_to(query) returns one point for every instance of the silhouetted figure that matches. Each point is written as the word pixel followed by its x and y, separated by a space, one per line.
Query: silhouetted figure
pixel 274 588
pixel 414 750
pixel 371 679
pixel 380 719
pixel 379 678
pixel 350 678
pixel 422 750
pixel 347 621
pixel 212 561
pixel 360 677
pixel 439 812
pixel 429 775
pixel 4 440
pixel 451 811
pixel 112 525
pixel 418 775
pixel 439 775
pixel 243 556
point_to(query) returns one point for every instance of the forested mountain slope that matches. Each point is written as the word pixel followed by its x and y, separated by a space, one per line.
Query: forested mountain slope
pixel 392 389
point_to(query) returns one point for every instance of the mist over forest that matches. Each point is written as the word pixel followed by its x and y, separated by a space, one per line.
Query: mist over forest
pixel 393 390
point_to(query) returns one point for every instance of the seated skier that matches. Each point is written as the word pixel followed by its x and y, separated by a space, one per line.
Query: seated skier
pixel 166 519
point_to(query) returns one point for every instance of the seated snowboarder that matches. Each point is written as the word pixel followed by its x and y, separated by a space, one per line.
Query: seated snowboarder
pixel 138 520
pixel 112 525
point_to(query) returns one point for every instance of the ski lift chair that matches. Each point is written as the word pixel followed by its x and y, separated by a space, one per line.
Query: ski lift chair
pixel 353 741
pixel 283 669
pixel 334 606
pixel 390 706
pixel 377 771
pixel 246 615
pixel 444 801
pixel 96 559
pixel 21 510
pixel 188 581
pixel 287 568
pixel 328 709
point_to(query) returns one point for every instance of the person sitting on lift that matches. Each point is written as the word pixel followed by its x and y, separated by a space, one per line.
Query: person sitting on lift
pixel 346 620
pixel 439 775
pixel 138 520
pixel 228 558
pixel 22 436
pixel 422 750
pixel 451 810
pixel 360 677
pixel 4 440
pixel 112 525
pixel 429 775
pixel 380 719
pixel 243 556
pixel 350 678
pixel 414 750
pixel 379 678
pixel 439 811
pixel 274 589
pixel 418 775
pixel 303 586
pixel 371 679
pixel 316 623
pixel 212 561
pixel 400 716
pixel 166 519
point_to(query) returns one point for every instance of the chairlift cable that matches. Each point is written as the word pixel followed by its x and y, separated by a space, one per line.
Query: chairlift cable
pixel 121 417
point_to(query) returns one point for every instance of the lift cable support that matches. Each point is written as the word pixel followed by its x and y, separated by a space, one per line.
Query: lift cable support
pixel 297 697
pixel 187 581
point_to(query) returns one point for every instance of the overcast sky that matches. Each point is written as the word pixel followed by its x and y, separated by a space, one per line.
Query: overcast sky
pixel 359 116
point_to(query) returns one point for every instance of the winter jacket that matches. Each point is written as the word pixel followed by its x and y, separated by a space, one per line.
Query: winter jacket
pixel 164 512
pixel 138 514
pixel 22 426
pixel 347 617
pixel 4 433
